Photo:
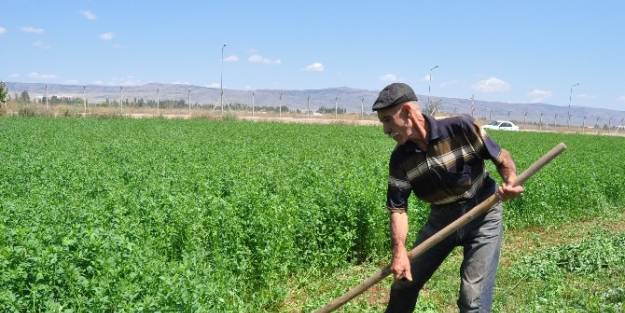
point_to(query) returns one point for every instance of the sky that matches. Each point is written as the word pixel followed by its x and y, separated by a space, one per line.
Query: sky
pixel 522 51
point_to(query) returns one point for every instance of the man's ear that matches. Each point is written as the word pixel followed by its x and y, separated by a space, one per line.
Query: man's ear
pixel 406 109
pixel 413 114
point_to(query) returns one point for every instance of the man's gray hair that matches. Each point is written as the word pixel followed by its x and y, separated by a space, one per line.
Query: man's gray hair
pixel 415 105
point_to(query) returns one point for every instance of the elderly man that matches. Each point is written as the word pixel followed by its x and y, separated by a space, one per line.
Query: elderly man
pixel 442 163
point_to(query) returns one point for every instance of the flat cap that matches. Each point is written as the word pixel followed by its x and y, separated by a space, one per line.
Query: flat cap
pixel 394 94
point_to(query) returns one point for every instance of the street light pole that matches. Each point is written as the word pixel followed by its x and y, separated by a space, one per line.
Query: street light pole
pixel 555 119
pixel 252 103
pixel 362 108
pixel 188 99
pixel 336 108
pixel 430 88
pixel 84 99
pixel 472 104
pixel 525 118
pixel 570 101
pixel 121 97
pixel 47 103
pixel 221 80
pixel 158 101
pixel 308 106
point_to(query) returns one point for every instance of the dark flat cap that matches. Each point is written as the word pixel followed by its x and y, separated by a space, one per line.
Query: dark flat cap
pixel 393 94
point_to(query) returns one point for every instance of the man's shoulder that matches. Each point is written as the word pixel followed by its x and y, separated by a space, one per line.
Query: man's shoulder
pixel 455 124
pixel 462 119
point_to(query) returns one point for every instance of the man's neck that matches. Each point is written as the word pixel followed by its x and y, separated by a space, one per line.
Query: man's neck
pixel 422 130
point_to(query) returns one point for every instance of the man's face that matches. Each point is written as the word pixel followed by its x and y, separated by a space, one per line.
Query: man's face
pixel 396 123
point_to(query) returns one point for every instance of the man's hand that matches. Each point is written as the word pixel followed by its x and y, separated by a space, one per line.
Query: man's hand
pixel 508 191
pixel 401 265
pixel 507 170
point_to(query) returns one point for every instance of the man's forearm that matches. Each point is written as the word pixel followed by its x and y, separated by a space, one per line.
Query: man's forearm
pixel 399 230
pixel 506 167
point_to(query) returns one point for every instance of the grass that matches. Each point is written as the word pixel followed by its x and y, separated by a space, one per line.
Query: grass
pixel 601 291
pixel 194 215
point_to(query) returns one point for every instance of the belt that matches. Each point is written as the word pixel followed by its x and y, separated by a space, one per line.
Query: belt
pixel 481 196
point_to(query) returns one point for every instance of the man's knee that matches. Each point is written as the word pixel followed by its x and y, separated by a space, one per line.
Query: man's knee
pixel 469 300
pixel 477 286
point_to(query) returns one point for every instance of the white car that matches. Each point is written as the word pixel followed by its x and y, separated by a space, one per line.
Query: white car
pixel 501 125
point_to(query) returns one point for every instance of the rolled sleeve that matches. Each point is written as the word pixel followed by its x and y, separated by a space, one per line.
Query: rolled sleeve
pixel 399 187
pixel 492 148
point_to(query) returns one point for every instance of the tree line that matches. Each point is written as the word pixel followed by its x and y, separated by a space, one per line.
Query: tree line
pixel 25 98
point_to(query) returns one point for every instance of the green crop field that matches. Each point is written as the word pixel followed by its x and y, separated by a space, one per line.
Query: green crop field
pixel 121 215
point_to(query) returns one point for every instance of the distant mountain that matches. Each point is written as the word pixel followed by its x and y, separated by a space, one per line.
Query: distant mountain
pixel 348 98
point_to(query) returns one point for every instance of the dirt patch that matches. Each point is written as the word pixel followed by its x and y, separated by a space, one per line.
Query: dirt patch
pixel 376 295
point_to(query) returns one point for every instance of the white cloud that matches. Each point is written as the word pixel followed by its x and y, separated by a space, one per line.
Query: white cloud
pixel 71 82
pixel 232 58
pixel 213 85
pixel 40 44
pixel 107 36
pixel 32 30
pixel 14 75
pixel 389 78
pixel 35 75
pixel 259 59
pixel 181 83
pixel 2 30
pixel 255 58
pixel 584 96
pixel 97 82
pixel 621 98
pixel 448 83
pixel 315 67
pixel 539 95
pixel 88 15
pixel 492 84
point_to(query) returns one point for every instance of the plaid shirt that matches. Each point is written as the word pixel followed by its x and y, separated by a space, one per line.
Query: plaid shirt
pixel 451 170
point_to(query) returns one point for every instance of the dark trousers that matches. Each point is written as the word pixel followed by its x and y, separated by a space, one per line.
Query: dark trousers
pixel 481 240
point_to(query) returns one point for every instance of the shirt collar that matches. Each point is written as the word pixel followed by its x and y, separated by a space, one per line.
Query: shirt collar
pixel 433 132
